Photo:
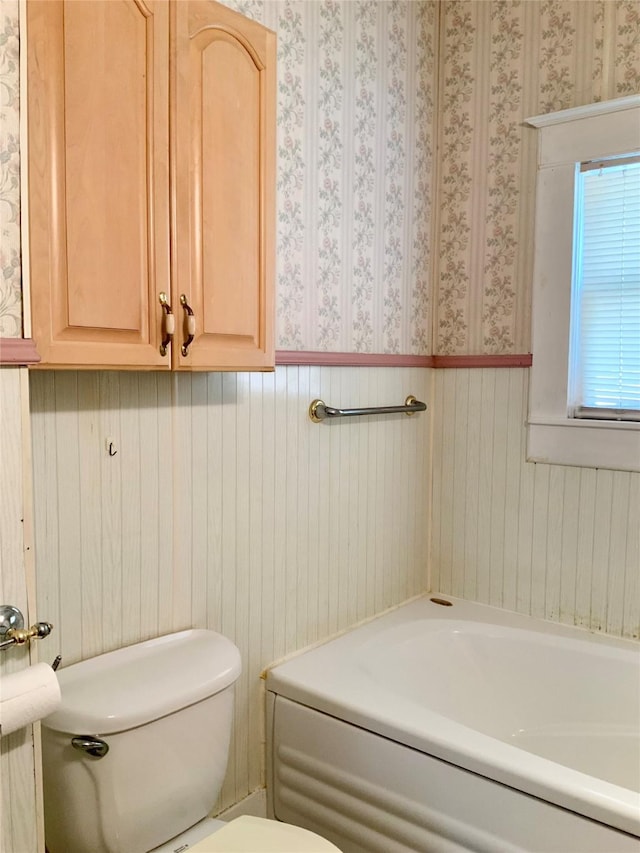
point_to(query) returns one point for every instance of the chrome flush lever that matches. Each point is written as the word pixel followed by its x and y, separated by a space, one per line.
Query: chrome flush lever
pixel 93 746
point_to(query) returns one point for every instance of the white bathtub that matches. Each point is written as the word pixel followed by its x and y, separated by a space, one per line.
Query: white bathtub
pixel 458 728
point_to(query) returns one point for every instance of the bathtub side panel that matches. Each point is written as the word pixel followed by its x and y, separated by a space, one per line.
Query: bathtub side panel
pixel 368 794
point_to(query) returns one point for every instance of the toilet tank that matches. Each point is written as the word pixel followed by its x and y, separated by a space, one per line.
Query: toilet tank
pixel 164 708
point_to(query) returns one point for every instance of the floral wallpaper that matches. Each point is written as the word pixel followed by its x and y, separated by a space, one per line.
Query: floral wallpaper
pixel 501 62
pixel 10 288
pixel 356 111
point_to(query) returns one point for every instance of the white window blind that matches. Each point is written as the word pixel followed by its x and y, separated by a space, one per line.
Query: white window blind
pixel 604 370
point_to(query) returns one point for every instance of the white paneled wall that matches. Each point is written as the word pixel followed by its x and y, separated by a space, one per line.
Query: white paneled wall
pixel 555 542
pixel 226 507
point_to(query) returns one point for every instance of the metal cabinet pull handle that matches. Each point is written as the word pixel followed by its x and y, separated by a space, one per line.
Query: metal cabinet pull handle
pixel 191 324
pixel 169 323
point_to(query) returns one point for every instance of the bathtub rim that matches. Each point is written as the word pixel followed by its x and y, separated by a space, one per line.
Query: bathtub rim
pixel 321 681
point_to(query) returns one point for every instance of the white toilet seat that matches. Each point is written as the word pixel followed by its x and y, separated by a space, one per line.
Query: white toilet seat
pixel 248 834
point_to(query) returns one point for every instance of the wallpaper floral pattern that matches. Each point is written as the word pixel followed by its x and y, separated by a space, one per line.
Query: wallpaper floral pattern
pixel 364 197
pixel 501 62
pixel 423 188
pixel 10 287
pixel 356 112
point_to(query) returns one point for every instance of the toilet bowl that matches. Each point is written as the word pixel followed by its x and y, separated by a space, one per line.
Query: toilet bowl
pixel 247 834
pixel 135 756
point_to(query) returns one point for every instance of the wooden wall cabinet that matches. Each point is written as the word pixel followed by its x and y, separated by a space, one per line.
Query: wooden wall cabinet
pixel 151 138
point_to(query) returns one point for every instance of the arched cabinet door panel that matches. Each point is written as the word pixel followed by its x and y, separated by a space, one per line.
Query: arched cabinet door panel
pixel 98 135
pixel 223 118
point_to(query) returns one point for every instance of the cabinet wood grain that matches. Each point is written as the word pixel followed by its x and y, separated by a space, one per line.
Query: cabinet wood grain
pixel 223 119
pixel 98 77
pixel 151 170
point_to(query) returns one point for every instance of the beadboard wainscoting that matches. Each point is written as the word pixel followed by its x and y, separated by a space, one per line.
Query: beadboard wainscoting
pixel 225 507
pixel 556 542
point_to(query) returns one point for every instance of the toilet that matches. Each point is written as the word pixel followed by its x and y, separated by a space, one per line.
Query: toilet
pixel 135 756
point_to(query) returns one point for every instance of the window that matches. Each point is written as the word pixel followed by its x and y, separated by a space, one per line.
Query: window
pixel 604 359
pixel 584 399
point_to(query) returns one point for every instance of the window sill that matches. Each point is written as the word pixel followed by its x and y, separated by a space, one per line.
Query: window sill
pixel 589 444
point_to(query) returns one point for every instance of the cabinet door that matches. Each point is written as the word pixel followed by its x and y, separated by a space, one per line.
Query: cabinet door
pixel 98 136
pixel 223 111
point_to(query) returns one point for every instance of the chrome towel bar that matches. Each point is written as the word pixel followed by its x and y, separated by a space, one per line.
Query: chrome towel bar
pixel 319 411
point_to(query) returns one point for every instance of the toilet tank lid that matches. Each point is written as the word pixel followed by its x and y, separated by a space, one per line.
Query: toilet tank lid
pixel 135 685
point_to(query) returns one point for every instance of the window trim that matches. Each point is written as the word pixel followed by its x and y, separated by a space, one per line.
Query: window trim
pixel 567 138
